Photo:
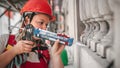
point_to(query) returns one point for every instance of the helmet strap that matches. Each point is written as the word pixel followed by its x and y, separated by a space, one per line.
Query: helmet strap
pixel 31 17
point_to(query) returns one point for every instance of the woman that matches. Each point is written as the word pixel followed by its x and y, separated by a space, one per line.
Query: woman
pixel 37 13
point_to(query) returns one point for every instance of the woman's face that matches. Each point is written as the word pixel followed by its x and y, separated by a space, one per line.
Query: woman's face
pixel 40 21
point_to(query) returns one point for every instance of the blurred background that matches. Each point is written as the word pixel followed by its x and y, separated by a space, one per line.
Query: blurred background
pixel 94 25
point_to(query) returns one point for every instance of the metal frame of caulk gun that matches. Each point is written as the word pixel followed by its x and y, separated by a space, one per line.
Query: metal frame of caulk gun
pixel 39 33
pixel 52 36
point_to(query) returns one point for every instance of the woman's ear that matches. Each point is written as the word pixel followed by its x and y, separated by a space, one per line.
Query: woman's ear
pixel 27 20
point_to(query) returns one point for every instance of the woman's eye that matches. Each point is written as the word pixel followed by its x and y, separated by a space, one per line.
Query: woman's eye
pixel 46 25
pixel 40 23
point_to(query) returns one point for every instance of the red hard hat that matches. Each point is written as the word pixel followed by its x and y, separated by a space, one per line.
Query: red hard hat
pixel 41 6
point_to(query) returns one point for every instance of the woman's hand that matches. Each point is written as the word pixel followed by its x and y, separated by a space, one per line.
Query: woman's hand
pixel 55 55
pixel 57 48
pixel 23 46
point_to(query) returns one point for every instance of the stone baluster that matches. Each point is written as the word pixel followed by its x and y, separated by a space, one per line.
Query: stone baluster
pixel 89 33
pixel 83 19
pixel 90 24
pixel 88 14
pixel 95 18
pixel 107 41
pixel 87 28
